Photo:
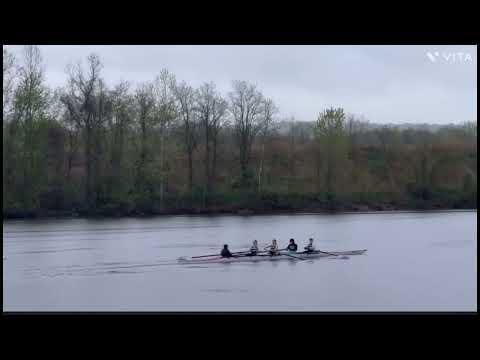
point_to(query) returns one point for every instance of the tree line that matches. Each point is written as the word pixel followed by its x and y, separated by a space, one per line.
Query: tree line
pixel 165 147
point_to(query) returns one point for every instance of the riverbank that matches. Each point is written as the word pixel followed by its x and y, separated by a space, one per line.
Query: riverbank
pixel 360 209
pixel 256 204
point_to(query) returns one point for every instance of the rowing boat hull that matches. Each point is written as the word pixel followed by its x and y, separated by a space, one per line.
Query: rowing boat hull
pixel 221 260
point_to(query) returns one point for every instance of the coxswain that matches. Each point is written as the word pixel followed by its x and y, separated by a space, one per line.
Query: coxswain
pixel 225 252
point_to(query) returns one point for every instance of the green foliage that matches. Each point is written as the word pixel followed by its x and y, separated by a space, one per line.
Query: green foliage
pixel 114 153
pixel 332 139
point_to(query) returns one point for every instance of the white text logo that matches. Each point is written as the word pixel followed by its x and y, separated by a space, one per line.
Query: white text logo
pixel 449 57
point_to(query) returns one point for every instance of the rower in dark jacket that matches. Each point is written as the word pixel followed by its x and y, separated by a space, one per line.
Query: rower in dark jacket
pixel 225 252
pixel 292 246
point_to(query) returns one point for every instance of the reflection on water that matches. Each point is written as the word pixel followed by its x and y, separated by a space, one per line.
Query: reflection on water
pixel 225 290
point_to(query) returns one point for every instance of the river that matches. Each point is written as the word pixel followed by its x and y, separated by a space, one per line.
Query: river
pixel 416 261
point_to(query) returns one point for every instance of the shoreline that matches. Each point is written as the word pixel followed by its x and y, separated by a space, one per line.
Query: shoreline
pixel 241 212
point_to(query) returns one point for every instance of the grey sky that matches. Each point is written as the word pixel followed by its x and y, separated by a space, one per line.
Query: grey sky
pixel 385 84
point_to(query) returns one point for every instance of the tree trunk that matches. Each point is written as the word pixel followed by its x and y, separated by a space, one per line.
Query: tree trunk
pixel 260 170
pixel 96 185
pixel 329 175
pixel 190 171
pixel 214 163
pixel 71 153
pixel 162 157
pixel 243 168
pixel 88 160
pixel 244 160
pixel 208 174
pixel 318 170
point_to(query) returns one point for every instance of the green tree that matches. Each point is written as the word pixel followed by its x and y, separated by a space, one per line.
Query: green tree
pixel 332 140
pixel 144 124
pixel 30 104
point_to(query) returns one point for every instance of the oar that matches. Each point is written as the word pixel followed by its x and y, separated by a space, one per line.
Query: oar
pixel 280 253
pixel 324 252
pixel 202 256
pixel 295 257
pixel 258 252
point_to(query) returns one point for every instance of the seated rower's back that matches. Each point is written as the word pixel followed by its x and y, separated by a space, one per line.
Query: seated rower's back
pixel 225 252
pixel 310 247
pixel 254 248
pixel 292 246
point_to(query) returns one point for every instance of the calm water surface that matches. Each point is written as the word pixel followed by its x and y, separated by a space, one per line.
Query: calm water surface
pixel 414 262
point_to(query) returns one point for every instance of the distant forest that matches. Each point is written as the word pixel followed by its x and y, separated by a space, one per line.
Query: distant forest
pixel 164 147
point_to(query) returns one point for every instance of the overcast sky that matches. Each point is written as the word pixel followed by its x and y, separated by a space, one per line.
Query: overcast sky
pixel 385 84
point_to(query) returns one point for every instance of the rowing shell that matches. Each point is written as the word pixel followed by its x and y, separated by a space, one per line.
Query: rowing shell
pixel 304 256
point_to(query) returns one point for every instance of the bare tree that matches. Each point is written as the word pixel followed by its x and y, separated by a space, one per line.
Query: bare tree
pixel 204 105
pixel 9 70
pixel 8 84
pixel 355 128
pixel 73 131
pixel 246 107
pixel 219 122
pixel 165 113
pixel 145 103
pixel 185 96
pixel 470 128
pixel 211 110
pixel 268 111
pixel 87 104
pixel 292 135
pixel 120 123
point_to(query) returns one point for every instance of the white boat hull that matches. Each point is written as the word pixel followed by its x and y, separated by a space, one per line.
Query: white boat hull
pixel 293 256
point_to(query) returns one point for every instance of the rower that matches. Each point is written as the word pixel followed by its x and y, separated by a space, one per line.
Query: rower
pixel 292 246
pixel 225 252
pixel 253 248
pixel 310 248
pixel 272 249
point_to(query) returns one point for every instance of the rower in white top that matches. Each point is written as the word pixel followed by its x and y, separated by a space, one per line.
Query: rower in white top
pixel 310 248
pixel 273 248
pixel 253 249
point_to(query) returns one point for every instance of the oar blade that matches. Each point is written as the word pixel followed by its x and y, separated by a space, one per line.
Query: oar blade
pixel 293 256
